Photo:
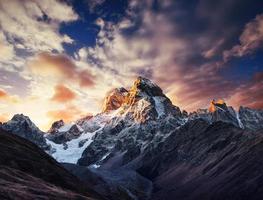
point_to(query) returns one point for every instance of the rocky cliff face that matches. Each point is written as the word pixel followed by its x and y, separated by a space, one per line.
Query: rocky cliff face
pixel 56 126
pixel 114 99
pixel 60 133
pixel 251 118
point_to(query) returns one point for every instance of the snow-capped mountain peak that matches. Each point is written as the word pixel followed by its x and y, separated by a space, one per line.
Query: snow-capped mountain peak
pixel 22 126
pixel 143 88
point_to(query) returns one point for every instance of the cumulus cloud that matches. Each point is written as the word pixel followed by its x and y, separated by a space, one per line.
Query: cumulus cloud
pixel 34 25
pixel 60 66
pixel 63 94
pixel 250 39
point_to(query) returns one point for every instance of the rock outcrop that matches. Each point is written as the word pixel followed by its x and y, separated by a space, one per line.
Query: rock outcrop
pixel 251 118
pixel 56 126
pixel 62 133
pixel 114 99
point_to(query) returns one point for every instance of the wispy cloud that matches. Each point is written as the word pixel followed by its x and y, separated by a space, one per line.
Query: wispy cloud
pixel 250 39
pixel 249 94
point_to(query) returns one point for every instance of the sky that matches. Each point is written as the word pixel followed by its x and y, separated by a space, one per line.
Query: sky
pixel 58 58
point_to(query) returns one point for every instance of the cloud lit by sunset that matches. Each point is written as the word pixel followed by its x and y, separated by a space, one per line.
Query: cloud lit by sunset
pixel 59 58
pixel 63 94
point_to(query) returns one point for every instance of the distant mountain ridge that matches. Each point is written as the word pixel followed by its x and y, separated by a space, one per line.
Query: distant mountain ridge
pixel 22 126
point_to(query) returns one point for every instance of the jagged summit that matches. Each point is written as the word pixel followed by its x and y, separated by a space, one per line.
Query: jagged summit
pixel 21 117
pixel 143 101
pixel 56 126
pixel 215 105
pixel 22 120
pixel 22 126
pixel 142 88
pixel 218 111
pixel 146 86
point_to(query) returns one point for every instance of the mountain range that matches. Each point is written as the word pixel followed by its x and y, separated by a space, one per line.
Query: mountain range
pixel 139 147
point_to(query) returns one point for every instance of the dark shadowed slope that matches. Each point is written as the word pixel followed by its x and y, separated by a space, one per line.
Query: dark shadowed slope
pixel 202 161
pixel 27 172
pixel 119 184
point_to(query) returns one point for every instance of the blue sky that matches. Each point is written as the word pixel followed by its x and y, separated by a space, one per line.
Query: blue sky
pixel 77 50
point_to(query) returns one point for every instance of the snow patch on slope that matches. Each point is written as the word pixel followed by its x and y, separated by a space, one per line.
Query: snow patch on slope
pixel 65 128
pixel 72 152
pixel 239 121
pixel 159 107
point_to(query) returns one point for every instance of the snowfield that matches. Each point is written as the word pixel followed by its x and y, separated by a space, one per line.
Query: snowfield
pixel 73 152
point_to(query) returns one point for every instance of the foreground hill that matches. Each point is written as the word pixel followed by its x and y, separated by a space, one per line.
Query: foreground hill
pixel 27 172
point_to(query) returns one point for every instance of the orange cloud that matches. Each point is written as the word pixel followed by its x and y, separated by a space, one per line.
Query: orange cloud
pixel 61 66
pixel 85 79
pixel 4 117
pixel 3 94
pixel 68 114
pixel 9 98
pixel 63 94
